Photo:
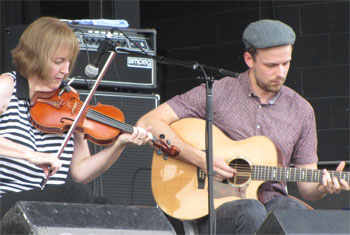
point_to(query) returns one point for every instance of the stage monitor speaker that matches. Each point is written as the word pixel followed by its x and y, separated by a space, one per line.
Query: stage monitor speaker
pixel 134 70
pixel 47 218
pixel 128 180
pixel 300 221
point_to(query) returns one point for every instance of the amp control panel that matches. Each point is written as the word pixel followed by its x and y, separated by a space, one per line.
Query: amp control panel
pixel 90 37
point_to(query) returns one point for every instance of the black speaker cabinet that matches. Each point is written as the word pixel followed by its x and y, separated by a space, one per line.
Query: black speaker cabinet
pixel 306 222
pixel 128 180
pixel 134 70
pixel 47 218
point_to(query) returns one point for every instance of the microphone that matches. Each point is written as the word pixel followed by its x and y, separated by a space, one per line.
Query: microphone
pixel 228 73
pixel 217 71
pixel 91 70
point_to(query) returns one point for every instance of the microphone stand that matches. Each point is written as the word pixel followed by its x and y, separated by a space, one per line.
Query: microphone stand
pixel 209 154
pixel 209 80
pixel 209 150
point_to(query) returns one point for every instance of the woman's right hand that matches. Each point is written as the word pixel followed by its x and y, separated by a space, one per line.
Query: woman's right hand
pixel 48 162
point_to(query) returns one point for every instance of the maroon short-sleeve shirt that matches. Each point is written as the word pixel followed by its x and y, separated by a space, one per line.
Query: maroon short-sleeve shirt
pixel 288 120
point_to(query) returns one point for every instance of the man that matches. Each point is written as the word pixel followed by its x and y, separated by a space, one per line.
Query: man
pixel 256 103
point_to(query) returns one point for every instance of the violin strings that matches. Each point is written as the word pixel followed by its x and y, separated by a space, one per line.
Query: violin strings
pixel 98 116
pixel 111 121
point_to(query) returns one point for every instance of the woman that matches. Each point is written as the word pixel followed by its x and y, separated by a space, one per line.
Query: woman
pixel 45 55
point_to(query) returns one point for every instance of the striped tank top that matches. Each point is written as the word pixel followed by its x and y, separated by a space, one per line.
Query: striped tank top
pixel 18 175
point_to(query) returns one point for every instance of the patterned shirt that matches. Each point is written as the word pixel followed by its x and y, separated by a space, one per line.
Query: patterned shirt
pixel 288 120
pixel 16 174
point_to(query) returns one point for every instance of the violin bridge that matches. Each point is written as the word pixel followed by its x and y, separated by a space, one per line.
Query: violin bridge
pixel 74 107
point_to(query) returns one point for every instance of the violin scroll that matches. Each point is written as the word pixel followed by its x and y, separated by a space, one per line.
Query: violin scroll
pixel 164 147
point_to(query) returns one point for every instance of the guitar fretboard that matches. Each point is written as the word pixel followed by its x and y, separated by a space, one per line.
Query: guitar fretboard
pixel 272 173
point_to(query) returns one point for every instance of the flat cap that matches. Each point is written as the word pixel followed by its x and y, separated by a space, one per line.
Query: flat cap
pixel 268 33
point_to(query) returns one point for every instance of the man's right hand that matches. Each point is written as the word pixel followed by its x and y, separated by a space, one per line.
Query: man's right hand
pixel 222 169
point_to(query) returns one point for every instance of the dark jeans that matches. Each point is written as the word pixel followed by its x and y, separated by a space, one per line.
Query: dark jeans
pixel 69 192
pixel 246 215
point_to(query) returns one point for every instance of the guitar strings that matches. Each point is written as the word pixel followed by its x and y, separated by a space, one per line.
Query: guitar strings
pixel 299 174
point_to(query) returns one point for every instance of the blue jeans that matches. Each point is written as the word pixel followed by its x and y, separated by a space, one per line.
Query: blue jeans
pixel 245 216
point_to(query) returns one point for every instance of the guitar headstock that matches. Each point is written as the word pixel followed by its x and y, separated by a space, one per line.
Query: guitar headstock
pixel 164 147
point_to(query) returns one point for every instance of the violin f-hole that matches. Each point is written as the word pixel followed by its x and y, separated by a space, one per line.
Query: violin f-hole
pixel 62 120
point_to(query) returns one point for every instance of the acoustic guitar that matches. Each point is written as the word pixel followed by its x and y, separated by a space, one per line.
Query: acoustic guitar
pixel 181 189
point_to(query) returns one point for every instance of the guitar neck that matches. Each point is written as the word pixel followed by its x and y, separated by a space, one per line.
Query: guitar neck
pixel 271 173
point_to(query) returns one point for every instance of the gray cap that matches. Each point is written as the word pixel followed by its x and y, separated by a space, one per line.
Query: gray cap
pixel 268 33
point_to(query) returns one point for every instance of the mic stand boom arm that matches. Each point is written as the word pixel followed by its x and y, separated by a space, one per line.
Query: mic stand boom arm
pixel 191 65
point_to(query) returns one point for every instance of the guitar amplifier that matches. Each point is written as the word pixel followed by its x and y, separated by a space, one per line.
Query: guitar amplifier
pixel 126 70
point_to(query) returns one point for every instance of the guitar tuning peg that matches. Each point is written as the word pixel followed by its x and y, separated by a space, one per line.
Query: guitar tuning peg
pixel 159 152
pixel 165 157
pixel 161 136
pixel 168 142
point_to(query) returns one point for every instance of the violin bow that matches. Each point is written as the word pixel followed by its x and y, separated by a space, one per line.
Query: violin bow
pixel 83 108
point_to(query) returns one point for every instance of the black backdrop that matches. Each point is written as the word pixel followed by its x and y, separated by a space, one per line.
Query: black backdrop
pixel 210 32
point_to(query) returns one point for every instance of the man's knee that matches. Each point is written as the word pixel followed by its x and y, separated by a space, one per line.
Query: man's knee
pixel 284 202
pixel 248 208
pixel 241 216
pixel 253 210
pixel 244 204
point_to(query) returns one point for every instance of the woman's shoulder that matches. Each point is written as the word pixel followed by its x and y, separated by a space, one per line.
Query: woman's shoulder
pixel 7 84
pixel 7 80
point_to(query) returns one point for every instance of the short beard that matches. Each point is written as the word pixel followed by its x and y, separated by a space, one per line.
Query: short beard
pixel 269 88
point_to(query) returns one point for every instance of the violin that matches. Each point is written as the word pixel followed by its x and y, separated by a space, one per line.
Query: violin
pixel 54 112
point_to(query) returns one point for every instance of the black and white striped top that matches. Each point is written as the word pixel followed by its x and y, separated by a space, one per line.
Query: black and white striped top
pixel 18 175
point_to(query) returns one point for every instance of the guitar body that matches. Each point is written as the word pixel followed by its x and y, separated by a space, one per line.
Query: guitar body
pixel 176 185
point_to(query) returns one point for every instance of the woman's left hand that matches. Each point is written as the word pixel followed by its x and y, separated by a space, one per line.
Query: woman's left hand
pixel 333 185
pixel 140 136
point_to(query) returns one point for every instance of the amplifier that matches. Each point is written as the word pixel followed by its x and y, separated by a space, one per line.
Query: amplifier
pixel 126 70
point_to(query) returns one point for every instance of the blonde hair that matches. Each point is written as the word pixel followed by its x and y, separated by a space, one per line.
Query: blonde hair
pixel 38 44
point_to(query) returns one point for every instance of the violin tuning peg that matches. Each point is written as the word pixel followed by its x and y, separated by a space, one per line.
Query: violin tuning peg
pixel 168 142
pixel 159 152
pixel 165 157
pixel 161 136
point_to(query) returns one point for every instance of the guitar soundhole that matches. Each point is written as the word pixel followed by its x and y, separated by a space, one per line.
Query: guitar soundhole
pixel 243 171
